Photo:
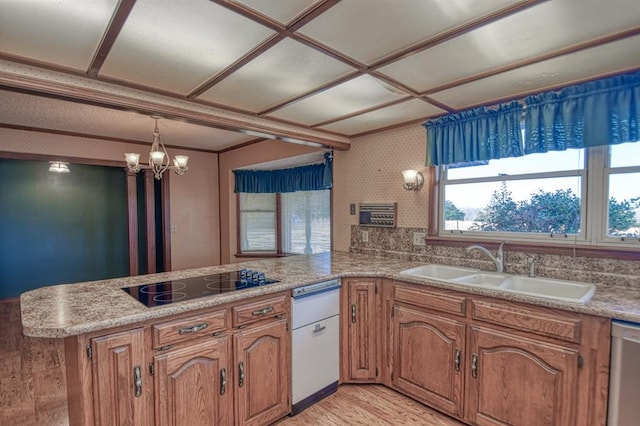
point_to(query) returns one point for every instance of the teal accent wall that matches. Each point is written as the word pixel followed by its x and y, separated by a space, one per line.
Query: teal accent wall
pixel 60 228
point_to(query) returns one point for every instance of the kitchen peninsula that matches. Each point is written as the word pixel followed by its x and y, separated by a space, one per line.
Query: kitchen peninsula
pixel 96 316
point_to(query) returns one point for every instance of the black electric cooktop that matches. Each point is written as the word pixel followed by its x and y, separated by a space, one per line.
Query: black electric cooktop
pixel 166 292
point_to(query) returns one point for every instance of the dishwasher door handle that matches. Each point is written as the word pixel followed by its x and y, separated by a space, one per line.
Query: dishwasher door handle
pixel 318 328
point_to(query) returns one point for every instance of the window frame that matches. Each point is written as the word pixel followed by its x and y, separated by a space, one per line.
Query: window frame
pixel 594 193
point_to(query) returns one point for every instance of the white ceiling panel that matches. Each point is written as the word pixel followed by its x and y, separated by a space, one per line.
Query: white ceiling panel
pixel 549 26
pixel 64 32
pixel 48 113
pixel 368 30
pixel 406 111
pixel 346 98
pixel 176 46
pixel 601 60
pixel 283 11
pixel 263 83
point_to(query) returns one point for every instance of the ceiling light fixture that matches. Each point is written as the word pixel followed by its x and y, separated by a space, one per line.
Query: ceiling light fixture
pixel 59 167
pixel 159 160
pixel 413 180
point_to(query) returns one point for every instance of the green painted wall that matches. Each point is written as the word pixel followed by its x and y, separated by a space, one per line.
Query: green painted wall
pixel 60 228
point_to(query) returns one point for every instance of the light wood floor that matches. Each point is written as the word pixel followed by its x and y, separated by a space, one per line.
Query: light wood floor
pixel 33 389
pixel 369 405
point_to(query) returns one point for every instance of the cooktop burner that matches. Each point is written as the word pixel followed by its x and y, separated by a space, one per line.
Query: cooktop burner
pixel 166 292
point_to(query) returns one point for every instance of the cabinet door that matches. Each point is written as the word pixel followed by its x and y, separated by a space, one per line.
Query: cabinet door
pixel 121 389
pixel 427 362
pixel 514 380
pixel 362 362
pixel 193 385
pixel 262 356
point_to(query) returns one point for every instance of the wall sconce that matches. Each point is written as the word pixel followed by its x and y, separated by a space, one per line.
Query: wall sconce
pixel 413 180
pixel 58 167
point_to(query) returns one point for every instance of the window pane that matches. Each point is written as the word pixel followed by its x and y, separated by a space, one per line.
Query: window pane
pixel 626 154
pixel 553 161
pixel 549 205
pixel 257 202
pixel 257 222
pixel 306 222
pixel 624 204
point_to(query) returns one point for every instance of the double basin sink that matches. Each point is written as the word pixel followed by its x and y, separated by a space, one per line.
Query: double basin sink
pixel 567 291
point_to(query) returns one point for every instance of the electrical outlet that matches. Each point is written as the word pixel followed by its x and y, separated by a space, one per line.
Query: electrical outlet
pixel 365 236
pixel 418 238
pixel 352 209
pixel 174 228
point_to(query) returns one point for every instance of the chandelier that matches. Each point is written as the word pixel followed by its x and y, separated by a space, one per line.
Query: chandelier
pixel 159 160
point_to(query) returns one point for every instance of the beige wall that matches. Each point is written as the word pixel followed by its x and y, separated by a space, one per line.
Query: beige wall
pixel 230 160
pixel 194 196
pixel 371 171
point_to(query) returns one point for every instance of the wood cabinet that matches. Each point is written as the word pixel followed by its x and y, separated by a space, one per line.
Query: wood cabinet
pixel 262 359
pixel 359 337
pixel 120 386
pixel 494 362
pixel 427 356
pixel 224 366
pixel 513 380
pixel 193 385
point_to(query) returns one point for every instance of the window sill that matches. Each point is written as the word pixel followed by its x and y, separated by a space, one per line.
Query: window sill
pixel 262 255
pixel 576 250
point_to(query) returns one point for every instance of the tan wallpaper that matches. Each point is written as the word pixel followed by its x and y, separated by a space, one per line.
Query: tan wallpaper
pixel 371 171
pixel 194 196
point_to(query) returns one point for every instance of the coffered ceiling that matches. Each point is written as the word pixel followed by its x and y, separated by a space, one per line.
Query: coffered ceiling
pixel 228 72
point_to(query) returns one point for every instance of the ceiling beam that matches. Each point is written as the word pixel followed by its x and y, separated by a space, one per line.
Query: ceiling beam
pixel 118 20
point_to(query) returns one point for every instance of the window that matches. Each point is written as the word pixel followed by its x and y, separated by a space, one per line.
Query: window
pixel 556 195
pixel 292 222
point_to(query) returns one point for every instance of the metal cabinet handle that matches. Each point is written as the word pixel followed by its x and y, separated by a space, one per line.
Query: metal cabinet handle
pixel 223 381
pixel 195 328
pixel 353 313
pixel 262 311
pixel 456 362
pixel 474 366
pixel 137 381
pixel 240 374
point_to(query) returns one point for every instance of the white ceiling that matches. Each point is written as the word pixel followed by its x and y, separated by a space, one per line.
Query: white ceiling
pixel 321 71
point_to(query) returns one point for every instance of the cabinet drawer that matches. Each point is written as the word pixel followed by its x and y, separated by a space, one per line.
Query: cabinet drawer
pixel 183 329
pixel 248 313
pixel 534 320
pixel 437 301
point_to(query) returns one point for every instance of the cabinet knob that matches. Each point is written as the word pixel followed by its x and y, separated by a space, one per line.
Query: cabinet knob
pixel 194 329
pixel 457 359
pixel 263 311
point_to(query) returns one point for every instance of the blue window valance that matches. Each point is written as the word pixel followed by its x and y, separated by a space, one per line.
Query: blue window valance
pixel 601 112
pixel 477 134
pixel 313 177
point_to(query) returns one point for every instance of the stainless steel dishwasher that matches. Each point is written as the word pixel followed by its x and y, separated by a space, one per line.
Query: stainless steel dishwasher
pixel 315 343
pixel 624 379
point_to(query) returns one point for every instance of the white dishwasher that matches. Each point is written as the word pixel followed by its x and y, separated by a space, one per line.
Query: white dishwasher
pixel 315 343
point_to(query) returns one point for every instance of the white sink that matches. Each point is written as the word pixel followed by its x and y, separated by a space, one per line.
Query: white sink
pixel 439 272
pixel 569 291
pixel 481 279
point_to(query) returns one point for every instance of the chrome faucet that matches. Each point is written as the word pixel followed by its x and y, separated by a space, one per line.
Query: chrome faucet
pixel 498 259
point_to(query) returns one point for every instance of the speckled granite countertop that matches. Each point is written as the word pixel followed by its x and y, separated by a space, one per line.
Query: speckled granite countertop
pixel 71 309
